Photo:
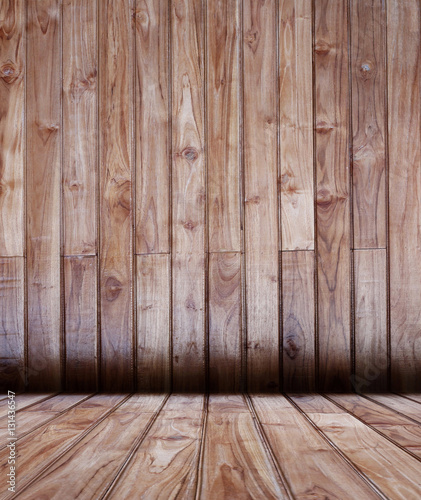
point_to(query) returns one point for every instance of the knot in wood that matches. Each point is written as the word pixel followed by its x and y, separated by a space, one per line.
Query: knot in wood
pixel 113 289
pixel 190 154
pixel 9 72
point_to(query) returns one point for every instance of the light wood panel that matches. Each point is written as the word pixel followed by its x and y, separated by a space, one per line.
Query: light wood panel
pixel 261 197
pixel 223 124
pixel 400 404
pixel 12 127
pixel 333 212
pixel 80 126
pixel 167 459
pixel 321 473
pixel 116 71
pixel 153 323
pixel 43 147
pixel 395 472
pixel 225 322
pixel 151 124
pixel 80 328
pixel 188 195
pixel 404 110
pixel 296 124
pixel 368 87
pixel 12 330
pixel 235 464
pixel 371 350
pixel 299 359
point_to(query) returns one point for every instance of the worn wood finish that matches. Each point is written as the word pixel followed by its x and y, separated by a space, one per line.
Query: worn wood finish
pixel 298 321
pixel 43 148
pixel 332 172
pixel 368 87
pixel 153 323
pixel 12 127
pixel 296 124
pixel 151 123
pixel 12 331
pixel 371 352
pixel 404 109
pixel 400 404
pixel 261 197
pixel 225 322
pixel 188 194
pixel 116 41
pixel 223 124
pixel 80 93
pixel 80 323
pixel 320 474
pixel 394 472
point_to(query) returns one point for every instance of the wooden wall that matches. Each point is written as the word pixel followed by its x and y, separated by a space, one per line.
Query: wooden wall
pixel 219 194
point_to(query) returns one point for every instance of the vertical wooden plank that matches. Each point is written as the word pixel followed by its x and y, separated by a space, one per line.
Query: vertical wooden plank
pixel 80 292
pixel 43 193
pixel 12 126
pixel 189 194
pixel 260 178
pixel 12 341
pixel 153 322
pixel 223 113
pixel 370 321
pixel 298 321
pixel 332 171
pixel 115 103
pixel 225 322
pixel 296 124
pixel 368 82
pixel 80 67
pixel 404 109
pixel 152 141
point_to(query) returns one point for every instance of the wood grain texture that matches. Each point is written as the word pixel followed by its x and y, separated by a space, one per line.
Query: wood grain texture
pixel 332 172
pixel 43 116
pixel 399 404
pixel 152 137
pixel 298 321
pixel 80 126
pixel 97 457
pixel 397 428
pixel 12 331
pixel 188 194
pixel 116 40
pixel 39 449
pixel 368 87
pixel 235 463
pixel 261 198
pixel 296 124
pixel 225 322
pixel 153 323
pixel 393 471
pixel 223 125
pixel 371 360
pixel 167 459
pixel 80 323
pixel 12 127
pixel 321 473
pixel 404 109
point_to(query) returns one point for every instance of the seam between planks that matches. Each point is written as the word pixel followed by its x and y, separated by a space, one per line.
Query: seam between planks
pixel 89 429
pixel 133 148
pixel 370 426
pixel 268 448
pixel 199 470
pixel 349 462
pixel 59 414
pixel 138 441
pixel 392 409
pixel 406 397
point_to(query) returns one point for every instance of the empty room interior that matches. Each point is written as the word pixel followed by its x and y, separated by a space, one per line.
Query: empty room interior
pixel 210 249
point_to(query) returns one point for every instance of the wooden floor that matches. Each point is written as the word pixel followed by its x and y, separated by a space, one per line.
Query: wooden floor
pixel 215 447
